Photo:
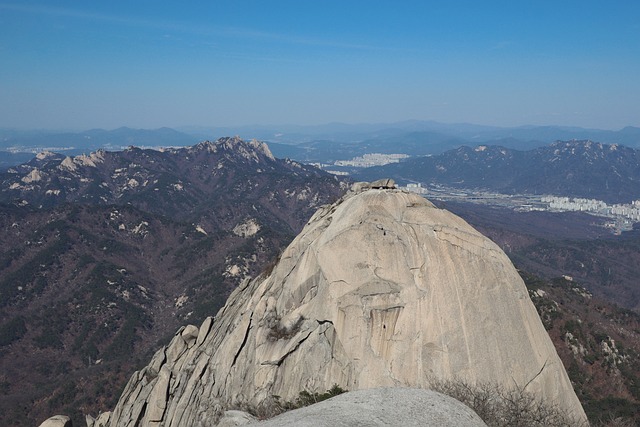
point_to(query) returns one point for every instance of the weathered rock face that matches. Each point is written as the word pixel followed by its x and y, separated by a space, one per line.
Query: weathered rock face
pixel 379 289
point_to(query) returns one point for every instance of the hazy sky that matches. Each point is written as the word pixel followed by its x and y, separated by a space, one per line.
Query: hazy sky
pixel 80 64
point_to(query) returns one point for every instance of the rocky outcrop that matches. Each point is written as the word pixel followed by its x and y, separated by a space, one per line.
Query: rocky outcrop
pixel 381 407
pixel 57 421
pixel 381 289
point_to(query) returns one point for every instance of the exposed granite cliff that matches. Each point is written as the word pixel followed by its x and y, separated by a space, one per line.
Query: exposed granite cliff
pixel 380 289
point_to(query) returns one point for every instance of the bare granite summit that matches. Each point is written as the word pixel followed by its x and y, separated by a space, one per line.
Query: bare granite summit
pixel 380 289
pixel 381 407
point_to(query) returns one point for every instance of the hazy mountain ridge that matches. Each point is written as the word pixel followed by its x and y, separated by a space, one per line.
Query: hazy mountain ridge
pixel 106 268
pixel 94 139
pixel 320 143
pixel 418 143
pixel 567 168
pixel 350 133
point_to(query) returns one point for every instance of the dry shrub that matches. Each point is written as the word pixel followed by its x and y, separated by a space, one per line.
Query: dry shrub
pixel 502 407
pixel 275 405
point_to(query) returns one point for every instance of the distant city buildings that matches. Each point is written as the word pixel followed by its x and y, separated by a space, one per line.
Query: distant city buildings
pixel 416 188
pixel 371 159
pixel 629 211
pixel 621 217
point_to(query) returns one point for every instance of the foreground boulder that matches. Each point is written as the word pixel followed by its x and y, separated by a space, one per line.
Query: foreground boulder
pixel 381 289
pixel 57 421
pixel 381 407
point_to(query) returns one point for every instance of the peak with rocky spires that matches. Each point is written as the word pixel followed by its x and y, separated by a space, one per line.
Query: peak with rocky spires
pixel 251 150
pixel 380 289
pixel 106 254
pixel 175 182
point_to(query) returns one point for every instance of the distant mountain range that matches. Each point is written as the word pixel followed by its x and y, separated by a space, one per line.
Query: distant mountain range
pixel 90 140
pixel 472 133
pixel 322 143
pixel 105 254
pixel 570 168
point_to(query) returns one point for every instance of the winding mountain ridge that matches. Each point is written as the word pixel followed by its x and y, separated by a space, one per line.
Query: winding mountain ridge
pixel 202 181
pixel 567 168
pixel 105 255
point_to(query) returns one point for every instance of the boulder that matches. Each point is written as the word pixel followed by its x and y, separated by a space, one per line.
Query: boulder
pixel 57 421
pixel 386 183
pixel 358 187
pixel 381 407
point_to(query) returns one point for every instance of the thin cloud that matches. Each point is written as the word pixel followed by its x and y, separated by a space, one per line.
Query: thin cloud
pixel 502 45
pixel 226 32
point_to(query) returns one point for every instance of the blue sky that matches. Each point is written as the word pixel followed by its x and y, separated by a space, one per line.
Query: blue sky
pixel 146 64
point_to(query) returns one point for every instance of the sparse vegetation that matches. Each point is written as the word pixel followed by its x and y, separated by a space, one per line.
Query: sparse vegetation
pixel 502 407
pixel 270 266
pixel 12 331
pixel 276 406
pixel 277 331
pixel 89 286
pixel 598 343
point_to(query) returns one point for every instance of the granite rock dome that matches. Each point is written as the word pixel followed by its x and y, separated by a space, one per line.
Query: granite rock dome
pixel 380 289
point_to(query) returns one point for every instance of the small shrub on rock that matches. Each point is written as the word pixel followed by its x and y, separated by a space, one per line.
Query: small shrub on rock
pixel 502 407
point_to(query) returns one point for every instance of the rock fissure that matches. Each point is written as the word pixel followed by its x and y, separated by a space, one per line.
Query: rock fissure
pixel 322 322
pixel 141 414
pixel 244 341
pixel 293 350
pixel 544 365
pixel 443 234
pixel 293 267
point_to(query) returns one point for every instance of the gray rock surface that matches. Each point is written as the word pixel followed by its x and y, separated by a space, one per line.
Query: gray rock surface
pixel 386 183
pixel 381 289
pixel 405 407
pixel 57 421
pixel 101 421
pixel 235 418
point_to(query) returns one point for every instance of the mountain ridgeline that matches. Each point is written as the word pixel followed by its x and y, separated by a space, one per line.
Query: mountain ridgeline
pixel 204 182
pixel 105 255
pixel 566 168
pixel 94 139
